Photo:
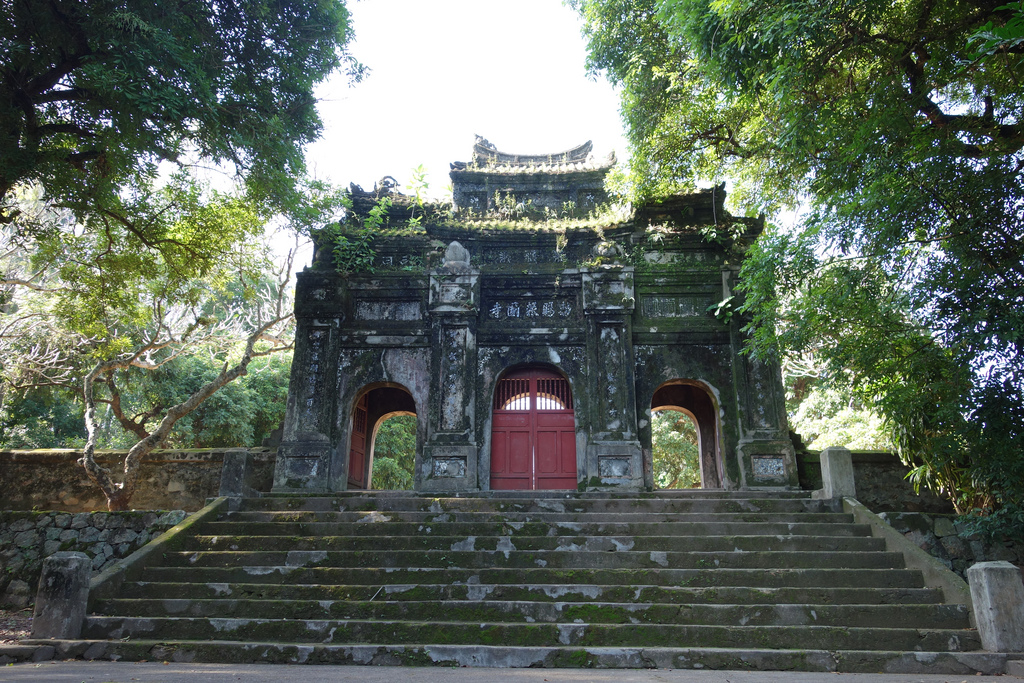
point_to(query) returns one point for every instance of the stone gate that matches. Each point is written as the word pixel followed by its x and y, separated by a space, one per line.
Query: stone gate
pixel 532 332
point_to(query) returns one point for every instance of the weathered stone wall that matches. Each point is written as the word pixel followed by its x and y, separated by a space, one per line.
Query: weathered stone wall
pixel 881 483
pixel 944 537
pixel 27 538
pixel 170 479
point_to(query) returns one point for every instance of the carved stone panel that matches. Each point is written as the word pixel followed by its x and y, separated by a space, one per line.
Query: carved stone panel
pixel 388 310
pixel 453 378
pixel 608 291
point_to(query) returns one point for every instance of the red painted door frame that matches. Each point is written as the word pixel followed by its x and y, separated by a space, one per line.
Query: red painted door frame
pixel 533 432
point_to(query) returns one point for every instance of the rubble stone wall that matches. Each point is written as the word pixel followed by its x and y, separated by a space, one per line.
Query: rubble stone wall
pixel 169 480
pixel 945 538
pixel 27 538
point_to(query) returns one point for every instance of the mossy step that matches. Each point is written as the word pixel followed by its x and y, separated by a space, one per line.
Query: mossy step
pixel 448 656
pixel 532 611
pixel 692 578
pixel 565 519
pixel 561 592
pixel 529 505
pixel 659 494
pixel 512 558
pixel 290 528
pixel 580 635
pixel 523 543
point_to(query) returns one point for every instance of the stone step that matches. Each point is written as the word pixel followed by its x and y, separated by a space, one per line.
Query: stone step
pixel 562 592
pixel 691 578
pixel 531 611
pixel 294 528
pixel 564 519
pixel 536 635
pixel 554 559
pixel 555 494
pixel 531 543
pixel 528 505
pixel 743 658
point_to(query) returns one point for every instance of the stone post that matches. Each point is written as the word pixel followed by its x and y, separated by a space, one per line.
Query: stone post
pixel 234 474
pixel 837 474
pixel 62 597
pixel 998 595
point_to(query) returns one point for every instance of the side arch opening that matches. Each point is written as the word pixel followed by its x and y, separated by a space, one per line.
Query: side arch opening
pixel 691 400
pixel 381 415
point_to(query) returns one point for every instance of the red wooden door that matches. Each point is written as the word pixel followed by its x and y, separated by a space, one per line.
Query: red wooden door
pixel 357 455
pixel 533 432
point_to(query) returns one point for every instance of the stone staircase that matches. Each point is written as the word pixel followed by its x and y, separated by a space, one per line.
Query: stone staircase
pixel 686 579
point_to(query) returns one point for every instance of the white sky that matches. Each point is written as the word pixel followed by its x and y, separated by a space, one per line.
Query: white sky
pixel 512 71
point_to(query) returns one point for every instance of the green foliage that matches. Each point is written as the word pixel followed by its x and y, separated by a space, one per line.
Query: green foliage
pixel 352 245
pixel 242 413
pixel 394 454
pixel 1001 37
pixel 897 126
pixel 830 417
pixel 95 96
pixel 676 455
pixel 41 418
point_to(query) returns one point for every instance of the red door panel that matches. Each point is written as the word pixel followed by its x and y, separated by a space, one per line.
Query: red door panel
pixel 357 455
pixel 533 436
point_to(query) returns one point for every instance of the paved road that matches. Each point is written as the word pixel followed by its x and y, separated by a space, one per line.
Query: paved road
pixel 126 672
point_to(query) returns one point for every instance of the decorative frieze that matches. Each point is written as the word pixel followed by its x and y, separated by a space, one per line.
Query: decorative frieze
pixel 675 306
pixel 388 310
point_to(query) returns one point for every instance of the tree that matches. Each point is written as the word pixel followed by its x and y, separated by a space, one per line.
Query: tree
pixel 675 455
pixel 394 453
pixel 95 96
pixel 108 299
pixel 897 126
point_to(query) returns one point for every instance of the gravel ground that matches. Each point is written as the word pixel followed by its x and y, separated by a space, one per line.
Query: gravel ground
pixel 14 625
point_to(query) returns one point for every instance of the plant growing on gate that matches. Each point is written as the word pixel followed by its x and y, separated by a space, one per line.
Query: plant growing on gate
pixel 352 244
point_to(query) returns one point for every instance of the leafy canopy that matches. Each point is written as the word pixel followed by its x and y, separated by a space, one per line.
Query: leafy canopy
pixel 896 127
pixel 95 95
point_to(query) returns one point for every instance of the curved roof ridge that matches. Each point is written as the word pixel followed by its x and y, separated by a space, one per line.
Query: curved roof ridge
pixel 486 153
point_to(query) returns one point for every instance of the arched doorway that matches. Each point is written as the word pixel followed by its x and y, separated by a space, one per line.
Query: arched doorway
pixel 371 409
pixel 533 432
pixel 695 401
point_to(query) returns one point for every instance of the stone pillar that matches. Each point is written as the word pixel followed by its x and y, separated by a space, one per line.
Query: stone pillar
pixel 62 597
pixel 836 474
pixel 765 454
pixel 306 454
pixel 614 458
pixel 998 595
pixel 451 454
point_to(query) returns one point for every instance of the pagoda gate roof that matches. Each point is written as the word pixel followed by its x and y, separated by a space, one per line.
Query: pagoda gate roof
pixel 487 158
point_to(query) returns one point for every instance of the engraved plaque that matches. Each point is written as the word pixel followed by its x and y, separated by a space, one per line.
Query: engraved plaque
pixel 613 467
pixel 449 468
pixel 768 467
